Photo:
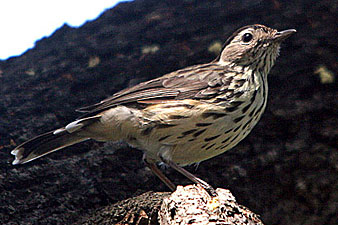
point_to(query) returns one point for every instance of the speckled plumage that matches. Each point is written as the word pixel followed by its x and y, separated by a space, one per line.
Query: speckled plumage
pixel 183 117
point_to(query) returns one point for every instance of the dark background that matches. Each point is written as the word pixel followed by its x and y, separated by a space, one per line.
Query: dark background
pixel 286 170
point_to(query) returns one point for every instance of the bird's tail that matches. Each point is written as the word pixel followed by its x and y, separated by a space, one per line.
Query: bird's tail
pixel 52 141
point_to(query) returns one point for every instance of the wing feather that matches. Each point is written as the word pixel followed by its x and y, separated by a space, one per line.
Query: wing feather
pixel 196 82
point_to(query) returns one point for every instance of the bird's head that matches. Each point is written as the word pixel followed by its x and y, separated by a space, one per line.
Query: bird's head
pixel 256 46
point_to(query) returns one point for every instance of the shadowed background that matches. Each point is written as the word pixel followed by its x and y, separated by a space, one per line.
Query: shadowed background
pixel 286 170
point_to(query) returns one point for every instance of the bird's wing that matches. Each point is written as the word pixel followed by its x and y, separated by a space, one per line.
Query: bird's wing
pixel 197 82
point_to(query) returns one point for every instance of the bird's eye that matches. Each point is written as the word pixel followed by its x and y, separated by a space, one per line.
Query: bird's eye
pixel 247 37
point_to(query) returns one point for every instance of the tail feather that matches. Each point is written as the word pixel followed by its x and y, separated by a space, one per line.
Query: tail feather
pixel 52 141
pixel 45 144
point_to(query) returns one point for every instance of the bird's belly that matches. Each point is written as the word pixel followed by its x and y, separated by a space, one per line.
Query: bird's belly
pixel 191 144
pixel 188 136
pixel 217 135
pixel 213 143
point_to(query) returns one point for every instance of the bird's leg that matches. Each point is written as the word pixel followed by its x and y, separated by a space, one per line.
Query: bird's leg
pixel 211 191
pixel 160 175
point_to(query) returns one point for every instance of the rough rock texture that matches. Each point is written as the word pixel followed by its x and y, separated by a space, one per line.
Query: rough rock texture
pixel 193 205
pixel 187 205
pixel 140 210
pixel 286 170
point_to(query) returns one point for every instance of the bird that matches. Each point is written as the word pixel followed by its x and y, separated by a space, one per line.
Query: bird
pixel 183 117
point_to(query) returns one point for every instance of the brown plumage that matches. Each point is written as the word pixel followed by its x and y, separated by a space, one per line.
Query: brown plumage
pixel 183 117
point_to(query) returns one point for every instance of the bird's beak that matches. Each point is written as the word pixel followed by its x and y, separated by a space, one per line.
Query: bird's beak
pixel 282 35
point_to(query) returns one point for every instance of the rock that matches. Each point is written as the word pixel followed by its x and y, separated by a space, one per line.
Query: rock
pixel 193 205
